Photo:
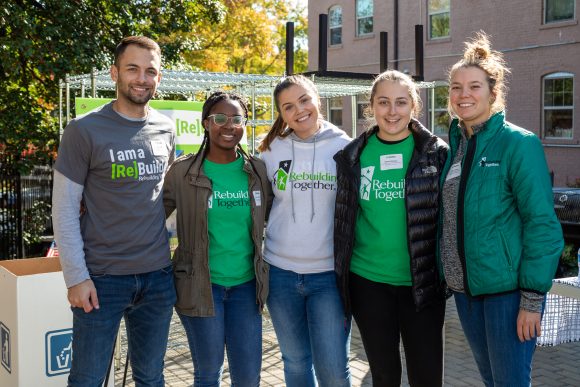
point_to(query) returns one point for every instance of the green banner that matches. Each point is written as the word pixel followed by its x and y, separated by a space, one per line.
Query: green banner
pixel 186 116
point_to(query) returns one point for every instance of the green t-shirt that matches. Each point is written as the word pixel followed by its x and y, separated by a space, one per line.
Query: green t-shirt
pixel 380 251
pixel 231 249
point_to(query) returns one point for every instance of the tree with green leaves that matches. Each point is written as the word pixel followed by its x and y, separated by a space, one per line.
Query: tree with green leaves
pixel 250 39
pixel 42 41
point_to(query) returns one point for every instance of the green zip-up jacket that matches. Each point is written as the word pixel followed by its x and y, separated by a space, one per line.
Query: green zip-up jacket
pixel 508 236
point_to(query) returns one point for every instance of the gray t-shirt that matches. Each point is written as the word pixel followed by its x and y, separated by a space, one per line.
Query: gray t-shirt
pixel 121 163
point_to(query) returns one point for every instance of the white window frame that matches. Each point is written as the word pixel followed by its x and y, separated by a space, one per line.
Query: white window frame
pixel 557 21
pixel 331 108
pixel 361 99
pixel 359 17
pixel 334 27
pixel 431 104
pixel 429 14
pixel 557 75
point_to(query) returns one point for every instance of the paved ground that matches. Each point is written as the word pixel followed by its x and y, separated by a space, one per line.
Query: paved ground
pixel 553 366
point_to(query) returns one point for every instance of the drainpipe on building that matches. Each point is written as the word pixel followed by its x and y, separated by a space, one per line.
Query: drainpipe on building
pixel 322 42
pixel 289 48
pixel 396 37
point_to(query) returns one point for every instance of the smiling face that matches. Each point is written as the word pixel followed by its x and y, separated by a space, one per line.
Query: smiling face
pixel 224 139
pixel 299 108
pixel 470 96
pixel 137 74
pixel 392 108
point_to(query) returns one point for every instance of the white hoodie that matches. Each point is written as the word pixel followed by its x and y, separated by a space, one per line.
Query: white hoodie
pixel 299 234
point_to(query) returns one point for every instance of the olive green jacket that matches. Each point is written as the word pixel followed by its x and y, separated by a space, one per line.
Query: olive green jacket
pixel 188 190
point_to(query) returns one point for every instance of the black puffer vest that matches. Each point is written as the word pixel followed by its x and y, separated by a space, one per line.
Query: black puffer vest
pixel 422 203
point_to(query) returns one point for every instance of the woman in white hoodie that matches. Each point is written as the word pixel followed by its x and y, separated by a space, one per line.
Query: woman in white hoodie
pixel 304 302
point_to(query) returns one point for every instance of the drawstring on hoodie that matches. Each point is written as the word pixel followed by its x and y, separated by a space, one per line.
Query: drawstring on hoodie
pixel 312 211
pixel 292 185
pixel 312 189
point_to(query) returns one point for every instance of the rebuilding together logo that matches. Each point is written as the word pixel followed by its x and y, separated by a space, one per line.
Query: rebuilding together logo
pixel 229 199
pixel 374 189
pixel 302 180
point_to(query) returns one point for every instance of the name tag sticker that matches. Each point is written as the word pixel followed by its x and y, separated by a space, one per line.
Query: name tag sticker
pixel 257 198
pixel 158 148
pixel 391 162
pixel 454 171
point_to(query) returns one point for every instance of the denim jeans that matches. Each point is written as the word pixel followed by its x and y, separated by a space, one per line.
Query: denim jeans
pixel 237 326
pixel 311 328
pixel 489 324
pixel 146 302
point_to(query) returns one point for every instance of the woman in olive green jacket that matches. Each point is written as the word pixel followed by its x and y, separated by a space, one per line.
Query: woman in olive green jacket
pixel 222 196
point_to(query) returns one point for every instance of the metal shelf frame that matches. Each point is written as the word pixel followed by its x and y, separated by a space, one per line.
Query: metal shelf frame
pixel 330 84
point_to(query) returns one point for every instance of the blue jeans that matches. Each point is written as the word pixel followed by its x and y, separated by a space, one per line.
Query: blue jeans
pixel 237 326
pixel 489 324
pixel 146 302
pixel 311 328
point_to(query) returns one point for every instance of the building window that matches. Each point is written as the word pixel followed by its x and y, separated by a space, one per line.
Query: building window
pixel 362 103
pixel 439 15
pixel 335 110
pixel 558 105
pixel 558 10
pixel 364 17
pixel 438 115
pixel 335 25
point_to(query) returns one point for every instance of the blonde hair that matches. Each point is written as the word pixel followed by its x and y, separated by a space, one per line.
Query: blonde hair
pixel 403 79
pixel 278 129
pixel 478 53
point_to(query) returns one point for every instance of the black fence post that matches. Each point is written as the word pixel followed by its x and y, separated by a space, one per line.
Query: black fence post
pixel 19 220
pixel 24 208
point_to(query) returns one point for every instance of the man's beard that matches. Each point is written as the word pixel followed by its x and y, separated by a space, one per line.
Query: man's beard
pixel 138 99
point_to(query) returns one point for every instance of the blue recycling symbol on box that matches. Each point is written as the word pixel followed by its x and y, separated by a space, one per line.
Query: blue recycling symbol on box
pixel 59 352
pixel 5 347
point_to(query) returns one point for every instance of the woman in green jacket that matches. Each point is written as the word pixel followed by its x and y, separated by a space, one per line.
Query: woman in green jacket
pixel 500 239
pixel 222 196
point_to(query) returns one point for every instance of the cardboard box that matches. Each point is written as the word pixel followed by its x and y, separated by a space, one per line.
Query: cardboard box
pixel 35 324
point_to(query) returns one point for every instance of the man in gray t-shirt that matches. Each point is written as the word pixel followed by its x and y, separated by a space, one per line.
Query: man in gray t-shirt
pixel 115 256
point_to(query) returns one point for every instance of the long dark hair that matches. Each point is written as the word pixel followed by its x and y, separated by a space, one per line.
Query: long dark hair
pixel 278 129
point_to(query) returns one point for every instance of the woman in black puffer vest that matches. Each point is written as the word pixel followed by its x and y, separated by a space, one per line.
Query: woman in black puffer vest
pixel 385 236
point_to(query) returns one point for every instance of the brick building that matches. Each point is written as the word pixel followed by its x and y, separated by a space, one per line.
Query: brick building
pixel 539 38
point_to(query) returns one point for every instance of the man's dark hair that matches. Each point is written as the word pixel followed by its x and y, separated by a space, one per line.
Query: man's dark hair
pixel 140 41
